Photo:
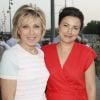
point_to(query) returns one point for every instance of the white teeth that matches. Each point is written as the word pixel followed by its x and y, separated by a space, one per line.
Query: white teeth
pixel 31 38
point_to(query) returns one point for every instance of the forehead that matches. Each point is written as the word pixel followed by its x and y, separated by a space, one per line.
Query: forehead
pixel 29 19
pixel 71 19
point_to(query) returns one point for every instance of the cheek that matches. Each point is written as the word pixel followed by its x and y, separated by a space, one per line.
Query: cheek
pixel 75 36
pixel 76 33
pixel 38 32
pixel 61 31
pixel 21 34
pixel 20 31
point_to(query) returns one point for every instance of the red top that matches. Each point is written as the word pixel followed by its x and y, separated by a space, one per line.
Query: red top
pixel 68 82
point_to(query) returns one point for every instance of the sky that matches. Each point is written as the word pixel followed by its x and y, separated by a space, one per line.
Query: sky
pixel 90 9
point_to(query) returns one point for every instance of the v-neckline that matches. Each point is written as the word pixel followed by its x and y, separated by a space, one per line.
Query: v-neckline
pixel 66 60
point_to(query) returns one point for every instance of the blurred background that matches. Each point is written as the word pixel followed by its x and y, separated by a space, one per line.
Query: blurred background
pixel 90 35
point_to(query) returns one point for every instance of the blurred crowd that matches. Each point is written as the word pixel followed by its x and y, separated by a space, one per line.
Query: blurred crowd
pixel 6 41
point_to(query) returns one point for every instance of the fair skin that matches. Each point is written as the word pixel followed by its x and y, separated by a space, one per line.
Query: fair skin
pixel 90 82
pixel 8 89
pixel 30 33
pixel 69 29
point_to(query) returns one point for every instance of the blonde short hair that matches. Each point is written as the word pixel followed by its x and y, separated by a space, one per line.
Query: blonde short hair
pixel 24 11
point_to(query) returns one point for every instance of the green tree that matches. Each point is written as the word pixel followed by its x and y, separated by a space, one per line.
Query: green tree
pixel 92 27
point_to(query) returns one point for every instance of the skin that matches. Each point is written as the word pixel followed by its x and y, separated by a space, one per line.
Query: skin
pixel 90 82
pixel 8 89
pixel 30 33
pixel 69 29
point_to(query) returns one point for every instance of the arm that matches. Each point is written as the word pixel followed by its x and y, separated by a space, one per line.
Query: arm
pixel 8 89
pixel 8 73
pixel 90 82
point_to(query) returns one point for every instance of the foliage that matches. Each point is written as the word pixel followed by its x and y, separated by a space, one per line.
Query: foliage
pixel 92 27
pixel 96 46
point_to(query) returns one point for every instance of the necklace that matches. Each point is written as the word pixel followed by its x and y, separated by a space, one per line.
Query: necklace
pixel 34 51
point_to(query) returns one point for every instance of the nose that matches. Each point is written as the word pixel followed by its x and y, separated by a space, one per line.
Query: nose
pixel 70 31
pixel 31 31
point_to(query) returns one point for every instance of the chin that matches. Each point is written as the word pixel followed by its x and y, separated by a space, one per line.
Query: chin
pixel 69 41
pixel 30 44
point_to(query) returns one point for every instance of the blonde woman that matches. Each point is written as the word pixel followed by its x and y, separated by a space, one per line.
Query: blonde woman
pixel 22 71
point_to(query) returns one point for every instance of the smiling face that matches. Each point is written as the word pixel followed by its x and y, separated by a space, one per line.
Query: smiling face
pixel 69 29
pixel 30 31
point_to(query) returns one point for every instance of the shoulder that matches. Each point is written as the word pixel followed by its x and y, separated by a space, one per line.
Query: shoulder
pixel 11 52
pixel 41 53
pixel 85 50
pixel 83 47
pixel 9 63
pixel 49 47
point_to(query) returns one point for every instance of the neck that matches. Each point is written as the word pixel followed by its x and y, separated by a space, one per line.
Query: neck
pixel 30 49
pixel 64 46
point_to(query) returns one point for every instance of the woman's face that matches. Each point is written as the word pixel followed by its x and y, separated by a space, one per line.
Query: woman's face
pixel 30 31
pixel 69 29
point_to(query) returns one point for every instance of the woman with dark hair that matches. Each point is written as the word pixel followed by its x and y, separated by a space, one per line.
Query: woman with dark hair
pixel 71 64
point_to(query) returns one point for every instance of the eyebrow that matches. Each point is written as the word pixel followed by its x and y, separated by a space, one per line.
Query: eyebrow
pixel 69 24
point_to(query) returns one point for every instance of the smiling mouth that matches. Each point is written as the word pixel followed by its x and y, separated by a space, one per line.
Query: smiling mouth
pixel 31 38
pixel 68 35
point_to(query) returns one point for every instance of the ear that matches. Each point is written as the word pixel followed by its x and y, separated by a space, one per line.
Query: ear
pixel 18 31
pixel 43 33
pixel 18 34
